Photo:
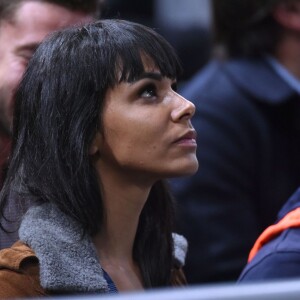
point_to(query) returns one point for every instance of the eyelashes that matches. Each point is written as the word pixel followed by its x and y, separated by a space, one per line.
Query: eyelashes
pixel 153 91
pixel 148 91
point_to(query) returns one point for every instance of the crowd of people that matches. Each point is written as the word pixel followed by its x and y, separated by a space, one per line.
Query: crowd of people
pixel 247 119
pixel 100 141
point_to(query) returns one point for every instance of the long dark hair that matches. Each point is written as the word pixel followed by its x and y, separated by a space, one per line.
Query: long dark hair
pixel 57 114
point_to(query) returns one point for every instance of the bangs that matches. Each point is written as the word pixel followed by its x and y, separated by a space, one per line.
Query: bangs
pixel 132 63
pixel 132 43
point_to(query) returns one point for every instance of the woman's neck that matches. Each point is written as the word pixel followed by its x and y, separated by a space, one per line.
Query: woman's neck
pixel 123 201
pixel 124 195
pixel 114 243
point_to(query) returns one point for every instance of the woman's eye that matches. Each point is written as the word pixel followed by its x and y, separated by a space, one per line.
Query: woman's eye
pixel 148 91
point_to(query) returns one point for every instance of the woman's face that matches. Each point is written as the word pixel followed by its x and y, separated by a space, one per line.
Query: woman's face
pixel 147 129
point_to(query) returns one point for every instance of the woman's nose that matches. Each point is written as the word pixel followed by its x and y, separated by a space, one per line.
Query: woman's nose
pixel 184 109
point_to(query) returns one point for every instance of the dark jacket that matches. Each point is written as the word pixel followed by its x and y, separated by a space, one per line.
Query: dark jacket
pixel 248 124
pixel 276 254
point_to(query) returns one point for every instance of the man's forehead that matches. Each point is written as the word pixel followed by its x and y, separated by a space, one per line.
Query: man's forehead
pixel 51 13
pixel 34 20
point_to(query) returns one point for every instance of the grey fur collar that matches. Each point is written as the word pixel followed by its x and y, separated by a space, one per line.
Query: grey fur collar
pixel 68 261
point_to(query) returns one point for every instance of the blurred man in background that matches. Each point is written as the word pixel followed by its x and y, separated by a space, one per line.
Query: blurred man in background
pixel 23 25
pixel 248 124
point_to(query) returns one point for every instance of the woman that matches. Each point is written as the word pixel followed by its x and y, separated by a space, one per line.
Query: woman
pixel 98 126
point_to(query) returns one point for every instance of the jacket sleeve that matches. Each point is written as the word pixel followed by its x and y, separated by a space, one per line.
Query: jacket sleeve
pixel 278 258
pixel 14 284
pixel 19 273
pixel 276 265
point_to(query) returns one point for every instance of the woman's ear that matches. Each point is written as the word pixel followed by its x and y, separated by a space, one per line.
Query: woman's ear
pixel 96 144
pixel 287 14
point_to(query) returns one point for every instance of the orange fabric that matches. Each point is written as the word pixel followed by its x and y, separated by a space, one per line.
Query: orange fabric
pixel 292 219
pixel 13 257
pixel 19 273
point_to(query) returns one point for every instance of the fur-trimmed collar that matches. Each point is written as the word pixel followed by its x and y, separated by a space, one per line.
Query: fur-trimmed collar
pixel 68 260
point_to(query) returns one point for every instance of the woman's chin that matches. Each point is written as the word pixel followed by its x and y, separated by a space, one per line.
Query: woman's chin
pixel 187 169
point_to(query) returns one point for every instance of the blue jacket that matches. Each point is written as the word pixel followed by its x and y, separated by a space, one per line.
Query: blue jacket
pixel 278 253
pixel 248 124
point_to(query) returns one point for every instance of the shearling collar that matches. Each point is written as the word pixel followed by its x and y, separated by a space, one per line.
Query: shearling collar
pixel 68 260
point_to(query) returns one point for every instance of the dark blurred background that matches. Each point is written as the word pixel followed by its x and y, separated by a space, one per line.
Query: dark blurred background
pixel 184 23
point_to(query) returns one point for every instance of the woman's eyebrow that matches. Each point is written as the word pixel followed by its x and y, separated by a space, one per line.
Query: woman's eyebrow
pixel 150 75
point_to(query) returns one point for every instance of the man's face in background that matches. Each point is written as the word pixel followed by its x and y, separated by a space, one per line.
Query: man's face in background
pixel 19 38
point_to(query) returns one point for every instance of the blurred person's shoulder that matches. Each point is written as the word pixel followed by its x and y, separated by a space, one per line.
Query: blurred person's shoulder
pixel 237 81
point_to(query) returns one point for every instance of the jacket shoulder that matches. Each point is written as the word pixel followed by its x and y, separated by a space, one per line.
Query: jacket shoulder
pixel 19 272
pixel 209 84
pixel 278 259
